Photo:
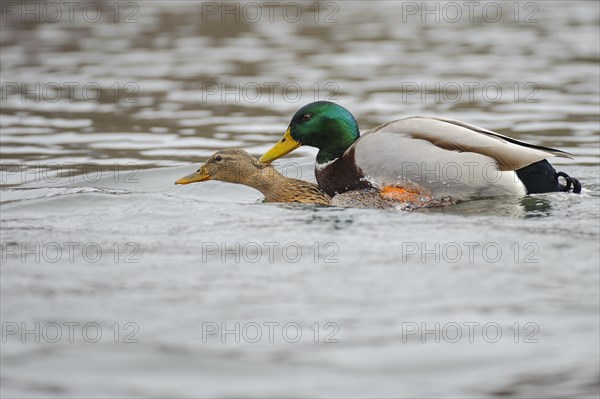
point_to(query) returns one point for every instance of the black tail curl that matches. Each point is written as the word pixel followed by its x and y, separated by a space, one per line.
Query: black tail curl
pixel 572 184
pixel 541 177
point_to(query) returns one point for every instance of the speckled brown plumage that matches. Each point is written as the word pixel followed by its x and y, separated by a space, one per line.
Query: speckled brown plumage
pixel 234 165
pixel 284 189
pixel 369 198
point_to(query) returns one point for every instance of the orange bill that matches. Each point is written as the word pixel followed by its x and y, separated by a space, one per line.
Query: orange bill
pixel 199 175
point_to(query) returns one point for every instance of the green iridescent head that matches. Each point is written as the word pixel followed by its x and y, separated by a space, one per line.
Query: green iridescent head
pixel 325 125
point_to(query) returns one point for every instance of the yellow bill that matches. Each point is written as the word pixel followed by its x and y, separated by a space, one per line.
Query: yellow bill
pixel 284 146
pixel 200 175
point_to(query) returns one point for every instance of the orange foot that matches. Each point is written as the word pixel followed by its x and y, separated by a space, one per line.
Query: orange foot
pixel 403 194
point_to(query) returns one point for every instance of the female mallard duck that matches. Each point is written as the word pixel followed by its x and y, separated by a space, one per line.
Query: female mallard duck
pixel 235 165
pixel 431 156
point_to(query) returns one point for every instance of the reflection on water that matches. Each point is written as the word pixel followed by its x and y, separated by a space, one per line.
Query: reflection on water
pixel 100 116
pixel 536 207
pixel 172 84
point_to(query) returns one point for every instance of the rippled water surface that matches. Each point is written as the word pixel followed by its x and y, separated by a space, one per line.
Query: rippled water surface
pixel 486 298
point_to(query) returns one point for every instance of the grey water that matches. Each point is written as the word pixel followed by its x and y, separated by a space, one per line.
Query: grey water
pixel 117 283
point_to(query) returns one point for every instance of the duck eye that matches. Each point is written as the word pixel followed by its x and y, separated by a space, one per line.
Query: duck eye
pixel 306 117
pixel 218 158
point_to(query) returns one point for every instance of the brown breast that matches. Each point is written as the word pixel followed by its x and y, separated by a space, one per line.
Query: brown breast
pixel 342 175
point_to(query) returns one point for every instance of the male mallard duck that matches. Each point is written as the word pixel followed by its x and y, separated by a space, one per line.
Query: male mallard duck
pixel 235 165
pixel 432 156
